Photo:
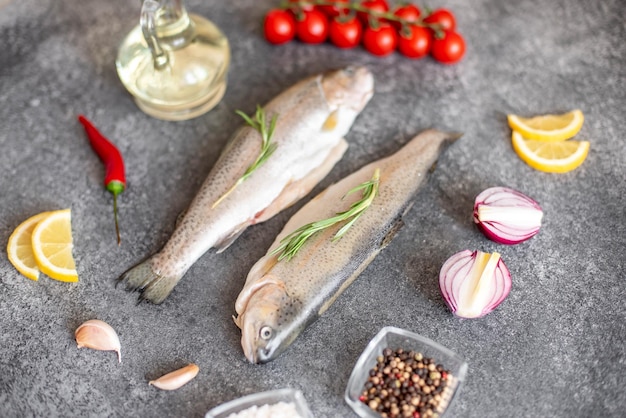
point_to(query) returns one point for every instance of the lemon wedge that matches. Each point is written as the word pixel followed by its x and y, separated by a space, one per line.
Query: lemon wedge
pixel 52 246
pixel 551 157
pixel 548 127
pixel 20 249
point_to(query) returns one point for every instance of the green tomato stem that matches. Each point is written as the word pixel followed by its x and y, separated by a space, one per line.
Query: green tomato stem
pixel 357 7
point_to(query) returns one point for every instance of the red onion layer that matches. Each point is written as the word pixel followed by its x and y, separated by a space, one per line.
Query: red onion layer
pixel 507 216
pixel 474 283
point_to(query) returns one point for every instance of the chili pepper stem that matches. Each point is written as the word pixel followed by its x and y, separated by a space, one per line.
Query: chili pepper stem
pixel 117 226
pixel 116 188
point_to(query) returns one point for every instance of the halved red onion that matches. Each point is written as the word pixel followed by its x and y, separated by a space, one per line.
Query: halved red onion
pixel 474 283
pixel 507 216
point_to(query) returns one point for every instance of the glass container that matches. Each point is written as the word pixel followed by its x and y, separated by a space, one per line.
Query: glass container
pixel 174 63
pixel 394 338
pixel 263 398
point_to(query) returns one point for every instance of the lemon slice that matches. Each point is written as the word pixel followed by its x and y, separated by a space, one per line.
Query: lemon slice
pixel 548 127
pixel 20 249
pixel 551 157
pixel 52 246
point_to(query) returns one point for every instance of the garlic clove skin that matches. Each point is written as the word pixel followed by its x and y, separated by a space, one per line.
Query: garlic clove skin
pixel 98 335
pixel 507 216
pixel 177 378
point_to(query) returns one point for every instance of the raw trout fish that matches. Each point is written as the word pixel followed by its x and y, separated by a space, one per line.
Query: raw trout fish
pixel 281 298
pixel 312 118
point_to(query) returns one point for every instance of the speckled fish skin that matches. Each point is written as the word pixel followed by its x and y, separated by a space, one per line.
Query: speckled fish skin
pixel 281 298
pixel 313 117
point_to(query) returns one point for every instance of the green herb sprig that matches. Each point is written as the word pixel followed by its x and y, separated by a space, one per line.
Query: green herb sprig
pixel 267 147
pixel 292 243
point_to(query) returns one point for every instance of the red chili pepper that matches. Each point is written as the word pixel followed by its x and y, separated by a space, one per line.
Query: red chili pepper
pixel 115 179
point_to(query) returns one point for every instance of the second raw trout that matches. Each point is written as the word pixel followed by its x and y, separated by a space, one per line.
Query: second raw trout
pixel 312 118
pixel 281 298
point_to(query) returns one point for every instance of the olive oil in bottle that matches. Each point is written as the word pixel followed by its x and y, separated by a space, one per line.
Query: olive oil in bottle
pixel 175 64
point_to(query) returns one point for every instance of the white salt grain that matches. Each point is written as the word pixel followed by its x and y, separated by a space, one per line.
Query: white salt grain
pixel 277 410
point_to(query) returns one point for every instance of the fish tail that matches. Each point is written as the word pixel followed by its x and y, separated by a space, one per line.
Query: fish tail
pixel 152 286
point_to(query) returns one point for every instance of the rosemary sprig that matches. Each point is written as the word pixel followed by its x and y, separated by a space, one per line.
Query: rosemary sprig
pixel 267 147
pixel 292 243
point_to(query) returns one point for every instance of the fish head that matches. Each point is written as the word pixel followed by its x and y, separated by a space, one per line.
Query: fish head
pixel 348 88
pixel 266 323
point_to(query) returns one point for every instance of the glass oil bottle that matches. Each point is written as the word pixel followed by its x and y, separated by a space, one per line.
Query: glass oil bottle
pixel 175 64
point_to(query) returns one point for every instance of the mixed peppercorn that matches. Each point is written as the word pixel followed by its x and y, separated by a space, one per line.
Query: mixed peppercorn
pixel 405 384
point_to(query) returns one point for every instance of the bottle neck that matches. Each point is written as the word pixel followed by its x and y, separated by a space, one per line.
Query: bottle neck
pixel 165 25
pixel 171 18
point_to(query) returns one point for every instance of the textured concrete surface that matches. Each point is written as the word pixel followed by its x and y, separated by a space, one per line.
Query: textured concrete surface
pixel 555 348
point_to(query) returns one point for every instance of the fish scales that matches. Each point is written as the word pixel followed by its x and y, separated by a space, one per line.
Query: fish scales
pixel 307 147
pixel 287 296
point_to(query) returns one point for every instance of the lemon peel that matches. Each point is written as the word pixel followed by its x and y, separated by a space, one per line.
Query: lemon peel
pixel 20 249
pixel 52 246
pixel 548 127
pixel 550 157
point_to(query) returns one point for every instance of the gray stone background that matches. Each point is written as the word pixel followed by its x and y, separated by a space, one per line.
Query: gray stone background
pixel 554 348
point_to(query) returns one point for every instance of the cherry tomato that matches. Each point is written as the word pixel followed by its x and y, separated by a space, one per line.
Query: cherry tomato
pixel 279 26
pixel 377 6
pixel 410 13
pixel 449 49
pixel 381 40
pixel 415 44
pixel 442 17
pixel 335 10
pixel 345 34
pixel 313 28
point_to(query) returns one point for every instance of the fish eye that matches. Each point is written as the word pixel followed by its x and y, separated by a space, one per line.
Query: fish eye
pixel 266 333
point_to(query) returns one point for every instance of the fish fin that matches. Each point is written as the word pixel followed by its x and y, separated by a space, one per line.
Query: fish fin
pixel 152 286
pixel 180 217
pixel 251 287
pixel 446 138
pixel 453 136
pixel 262 266
pixel 393 231
pixel 228 241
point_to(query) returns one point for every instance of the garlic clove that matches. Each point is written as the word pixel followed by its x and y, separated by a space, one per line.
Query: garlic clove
pixel 98 335
pixel 474 283
pixel 177 378
pixel 507 216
